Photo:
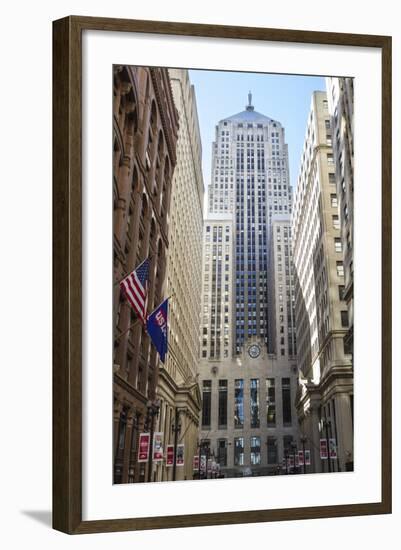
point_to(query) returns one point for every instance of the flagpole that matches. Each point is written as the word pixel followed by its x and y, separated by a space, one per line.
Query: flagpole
pixel 126 275
pixel 128 329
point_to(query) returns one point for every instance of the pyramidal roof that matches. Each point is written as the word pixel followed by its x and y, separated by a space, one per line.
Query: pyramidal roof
pixel 249 115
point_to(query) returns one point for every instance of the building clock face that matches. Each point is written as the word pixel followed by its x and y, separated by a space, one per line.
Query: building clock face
pixel 254 351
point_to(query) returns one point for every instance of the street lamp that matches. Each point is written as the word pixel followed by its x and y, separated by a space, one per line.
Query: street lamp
pixel 176 430
pixel 286 456
pixel 303 441
pixel 203 446
pixel 153 410
pixel 294 450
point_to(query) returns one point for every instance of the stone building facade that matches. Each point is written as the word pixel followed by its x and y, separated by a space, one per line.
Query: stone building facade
pixel 281 290
pixel 217 287
pixel 249 420
pixel 178 390
pixel 340 96
pixel 145 129
pixel 325 394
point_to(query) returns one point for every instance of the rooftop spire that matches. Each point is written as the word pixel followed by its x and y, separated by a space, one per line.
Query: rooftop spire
pixel 249 107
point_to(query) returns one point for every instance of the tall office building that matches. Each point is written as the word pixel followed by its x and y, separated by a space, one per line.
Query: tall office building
pixel 281 289
pixel 340 96
pixel 177 389
pixel 325 396
pixel 250 179
pixel 248 416
pixel 217 290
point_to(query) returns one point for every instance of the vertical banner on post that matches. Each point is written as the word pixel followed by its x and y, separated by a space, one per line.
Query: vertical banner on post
pixel 323 449
pixel 144 444
pixel 158 447
pixel 307 457
pixel 301 458
pixel 180 455
pixel 332 449
pixel 195 463
pixel 203 464
pixel 170 455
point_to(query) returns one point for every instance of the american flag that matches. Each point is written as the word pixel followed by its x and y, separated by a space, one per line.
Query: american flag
pixel 135 288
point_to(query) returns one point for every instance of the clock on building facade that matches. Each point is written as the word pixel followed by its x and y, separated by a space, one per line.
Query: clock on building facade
pixel 254 351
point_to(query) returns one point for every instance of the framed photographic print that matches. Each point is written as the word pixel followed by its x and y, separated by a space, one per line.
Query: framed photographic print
pixel 222 275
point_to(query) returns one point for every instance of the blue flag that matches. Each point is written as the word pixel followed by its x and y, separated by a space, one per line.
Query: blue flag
pixel 157 328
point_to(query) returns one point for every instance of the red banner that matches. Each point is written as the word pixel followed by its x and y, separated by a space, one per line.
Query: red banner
pixel 195 463
pixel 170 455
pixel 158 447
pixel 323 449
pixel 144 443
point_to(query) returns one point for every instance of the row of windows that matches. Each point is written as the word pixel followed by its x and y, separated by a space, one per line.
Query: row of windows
pixel 255 406
pixel 254 450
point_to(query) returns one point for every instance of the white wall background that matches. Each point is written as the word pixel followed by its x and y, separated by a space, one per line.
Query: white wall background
pixel 25 274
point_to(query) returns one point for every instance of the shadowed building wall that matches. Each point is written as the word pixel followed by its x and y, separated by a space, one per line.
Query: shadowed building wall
pixel 145 126
pixel 325 370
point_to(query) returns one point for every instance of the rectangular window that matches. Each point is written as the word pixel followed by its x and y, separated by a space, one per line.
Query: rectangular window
pixel 287 443
pixel 222 452
pixel 338 247
pixel 239 403
pixel 333 200
pixel 222 420
pixel 255 450
pixel 238 451
pixel 336 222
pixel 206 402
pixel 270 402
pixel 286 395
pixel 344 318
pixel 272 457
pixel 255 421
pixel 122 428
pixel 341 289
pixel 340 269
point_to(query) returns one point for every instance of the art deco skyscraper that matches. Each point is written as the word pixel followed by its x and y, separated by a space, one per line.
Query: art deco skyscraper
pixel 248 384
pixel 250 180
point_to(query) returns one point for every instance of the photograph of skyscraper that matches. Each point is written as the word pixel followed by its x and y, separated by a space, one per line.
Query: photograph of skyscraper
pixel 233 272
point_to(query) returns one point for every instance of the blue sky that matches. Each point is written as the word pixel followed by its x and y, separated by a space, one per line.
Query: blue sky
pixel 285 98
